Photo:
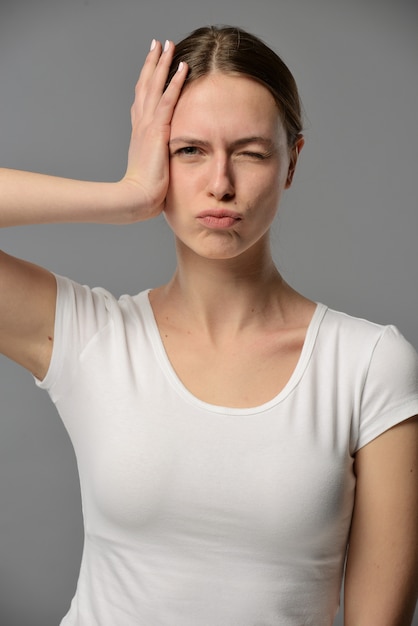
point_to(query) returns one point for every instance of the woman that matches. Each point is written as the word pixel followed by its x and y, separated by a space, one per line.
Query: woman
pixel 234 439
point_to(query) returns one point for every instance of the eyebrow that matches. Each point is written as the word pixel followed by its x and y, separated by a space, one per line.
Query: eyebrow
pixel 243 141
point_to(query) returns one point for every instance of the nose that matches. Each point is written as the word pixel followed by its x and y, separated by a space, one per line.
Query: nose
pixel 221 184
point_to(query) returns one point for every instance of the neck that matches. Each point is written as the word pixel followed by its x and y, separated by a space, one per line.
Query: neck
pixel 226 295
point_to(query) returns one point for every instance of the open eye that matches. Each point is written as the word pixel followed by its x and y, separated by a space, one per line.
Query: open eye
pixel 188 151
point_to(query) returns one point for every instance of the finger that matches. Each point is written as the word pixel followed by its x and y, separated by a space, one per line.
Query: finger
pixel 165 109
pixel 157 81
pixel 146 75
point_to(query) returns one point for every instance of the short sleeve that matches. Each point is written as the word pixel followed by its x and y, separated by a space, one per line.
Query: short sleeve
pixel 80 314
pixel 390 392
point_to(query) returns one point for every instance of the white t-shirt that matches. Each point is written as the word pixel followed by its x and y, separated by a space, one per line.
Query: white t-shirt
pixel 200 515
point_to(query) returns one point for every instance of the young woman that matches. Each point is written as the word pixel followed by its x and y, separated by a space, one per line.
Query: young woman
pixel 235 440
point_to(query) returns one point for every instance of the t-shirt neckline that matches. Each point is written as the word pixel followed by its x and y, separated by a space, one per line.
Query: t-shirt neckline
pixel 171 374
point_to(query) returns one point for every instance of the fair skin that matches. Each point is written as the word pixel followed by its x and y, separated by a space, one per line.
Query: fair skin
pixel 381 584
pixel 246 324
pixel 194 156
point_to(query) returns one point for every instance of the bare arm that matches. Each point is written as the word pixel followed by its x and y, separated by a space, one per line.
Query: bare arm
pixel 382 568
pixel 30 198
pixel 28 292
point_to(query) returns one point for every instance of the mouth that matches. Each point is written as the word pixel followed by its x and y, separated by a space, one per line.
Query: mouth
pixel 219 218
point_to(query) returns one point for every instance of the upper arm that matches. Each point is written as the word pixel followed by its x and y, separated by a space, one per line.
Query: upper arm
pixel 27 313
pixel 381 582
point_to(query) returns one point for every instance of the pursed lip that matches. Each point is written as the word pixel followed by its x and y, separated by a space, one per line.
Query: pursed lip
pixel 219 213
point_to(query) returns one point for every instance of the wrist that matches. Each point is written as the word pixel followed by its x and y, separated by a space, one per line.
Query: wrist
pixel 134 203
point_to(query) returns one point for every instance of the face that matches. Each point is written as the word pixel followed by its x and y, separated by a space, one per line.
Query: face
pixel 229 164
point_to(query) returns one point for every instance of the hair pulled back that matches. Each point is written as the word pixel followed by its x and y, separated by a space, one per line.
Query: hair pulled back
pixel 230 49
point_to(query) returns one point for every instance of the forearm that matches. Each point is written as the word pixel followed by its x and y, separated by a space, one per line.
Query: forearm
pixel 31 198
pixel 391 603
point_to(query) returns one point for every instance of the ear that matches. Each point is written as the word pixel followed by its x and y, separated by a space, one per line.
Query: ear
pixel 294 155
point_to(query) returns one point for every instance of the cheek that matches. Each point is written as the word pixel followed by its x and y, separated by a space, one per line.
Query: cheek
pixel 174 186
pixel 266 193
pixel 179 198
pixel 181 181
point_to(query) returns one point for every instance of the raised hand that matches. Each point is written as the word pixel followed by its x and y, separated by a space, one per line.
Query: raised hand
pixel 29 198
pixel 148 158
pixel 27 292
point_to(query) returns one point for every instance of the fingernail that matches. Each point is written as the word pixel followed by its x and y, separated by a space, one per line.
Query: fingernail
pixel 166 45
pixel 153 44
pixel 180 67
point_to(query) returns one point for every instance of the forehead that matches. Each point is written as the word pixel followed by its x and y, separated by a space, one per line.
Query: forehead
pixel 227 104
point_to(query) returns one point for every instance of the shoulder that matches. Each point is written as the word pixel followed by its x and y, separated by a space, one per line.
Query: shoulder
pixel 341 322
pixel 379 365
pixel 377 360
pixel 86 300
pixel 87 317
pixel 87 313
pixel 367 337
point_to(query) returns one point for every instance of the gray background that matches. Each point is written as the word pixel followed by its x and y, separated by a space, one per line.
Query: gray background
pixel 346 234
